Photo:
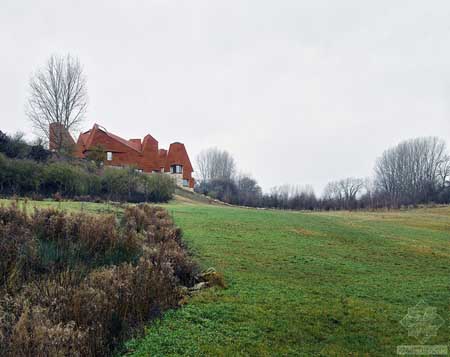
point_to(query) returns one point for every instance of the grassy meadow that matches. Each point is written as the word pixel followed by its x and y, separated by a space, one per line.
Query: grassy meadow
pixel 301 283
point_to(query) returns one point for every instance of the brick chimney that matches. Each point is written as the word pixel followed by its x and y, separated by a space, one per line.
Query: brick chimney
pixel 59 137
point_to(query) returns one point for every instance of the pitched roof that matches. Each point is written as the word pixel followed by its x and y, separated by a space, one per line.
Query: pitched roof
pixel 178 155
pixel 136 143
pixel 121 140
pixel 88 136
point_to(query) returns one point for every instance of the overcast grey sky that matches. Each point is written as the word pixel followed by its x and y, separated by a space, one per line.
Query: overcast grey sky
pixel 300 92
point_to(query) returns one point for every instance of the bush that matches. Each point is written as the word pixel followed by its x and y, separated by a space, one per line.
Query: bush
pixel 16 147
pixel 75 179
pixel 61 178
pixel 19 176
pixel 158 187
pixel 132 186
pixel 76 284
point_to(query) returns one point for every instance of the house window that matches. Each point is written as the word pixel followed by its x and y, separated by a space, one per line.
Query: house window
pixel 185 183
pixel 139 170
pixel 109 156
pixel 176 169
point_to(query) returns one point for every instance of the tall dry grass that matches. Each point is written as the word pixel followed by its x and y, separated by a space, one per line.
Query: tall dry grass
pixel 73 284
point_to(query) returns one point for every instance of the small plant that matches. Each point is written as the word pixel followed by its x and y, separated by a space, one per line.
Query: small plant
pixel 213 278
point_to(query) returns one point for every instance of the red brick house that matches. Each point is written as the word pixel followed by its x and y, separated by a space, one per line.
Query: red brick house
pixel 143 154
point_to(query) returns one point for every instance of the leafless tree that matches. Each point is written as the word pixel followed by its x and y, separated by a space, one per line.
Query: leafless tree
pixel 58 95
pixel 332 191
pixel 351 187
pixel 414 171
pixel 344 193
pixel 295 197
pixel 443 173
pixel 215 164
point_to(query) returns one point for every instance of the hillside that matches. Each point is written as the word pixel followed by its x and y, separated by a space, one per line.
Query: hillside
pixel 335 283
pixel 307 283
pixel 184 196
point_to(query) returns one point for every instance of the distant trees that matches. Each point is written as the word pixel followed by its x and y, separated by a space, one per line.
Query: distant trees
pixel 58 95
pixel 415 171
pixel 15 147
pixel 215 164
pixel 249 193
pixel 218 179
pixel 343 194
pixel 291 197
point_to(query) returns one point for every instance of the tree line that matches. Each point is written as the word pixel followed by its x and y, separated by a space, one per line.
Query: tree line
pixel 416 171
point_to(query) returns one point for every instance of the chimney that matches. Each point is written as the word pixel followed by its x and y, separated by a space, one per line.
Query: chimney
pixel 59 137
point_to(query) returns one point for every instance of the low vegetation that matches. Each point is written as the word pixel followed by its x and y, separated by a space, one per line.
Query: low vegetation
pixel 81 181
pixel 77 284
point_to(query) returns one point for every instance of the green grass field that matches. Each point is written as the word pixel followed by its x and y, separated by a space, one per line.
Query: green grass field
pixel 305 283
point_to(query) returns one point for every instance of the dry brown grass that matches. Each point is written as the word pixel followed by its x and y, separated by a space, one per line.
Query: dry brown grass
pixel 73 284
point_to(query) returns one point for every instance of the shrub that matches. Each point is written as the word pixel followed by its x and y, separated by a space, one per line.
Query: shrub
pixel 77 284
pixel 158 187
pixel 75 179
pixel 63 178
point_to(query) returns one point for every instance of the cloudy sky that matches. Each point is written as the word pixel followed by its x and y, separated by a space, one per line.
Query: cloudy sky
pixel 300 92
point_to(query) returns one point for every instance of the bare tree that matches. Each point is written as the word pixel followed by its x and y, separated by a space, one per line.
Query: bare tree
pixel 344 193
pixel 351 187
pixel 215 164
pixel 444 172
pixel 414 171
pixel 333 192
pixel 58 97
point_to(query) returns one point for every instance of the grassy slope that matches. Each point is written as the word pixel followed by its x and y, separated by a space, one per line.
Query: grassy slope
pixel 305 283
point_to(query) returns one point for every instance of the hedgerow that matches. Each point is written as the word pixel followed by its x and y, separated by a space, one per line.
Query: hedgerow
pixel 72 179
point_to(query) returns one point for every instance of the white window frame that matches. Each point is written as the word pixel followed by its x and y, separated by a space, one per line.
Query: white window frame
pixel 185 183
pixel 109 155
pixel 176 169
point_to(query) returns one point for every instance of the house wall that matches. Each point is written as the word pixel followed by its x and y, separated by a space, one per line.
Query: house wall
pixel 149 159
pixel 177 155
pixel 123 155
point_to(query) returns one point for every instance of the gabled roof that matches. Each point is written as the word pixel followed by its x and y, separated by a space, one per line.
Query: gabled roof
pixel 121 140
pixel 88 137
pixel 136 143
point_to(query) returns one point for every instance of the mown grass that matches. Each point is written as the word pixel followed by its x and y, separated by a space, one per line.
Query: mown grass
pixel 306 283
